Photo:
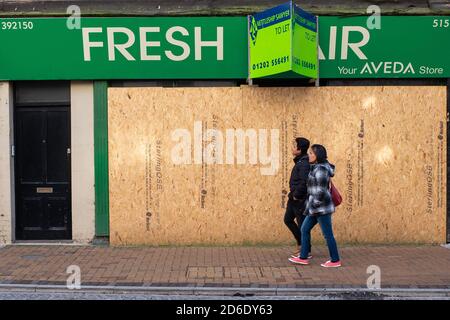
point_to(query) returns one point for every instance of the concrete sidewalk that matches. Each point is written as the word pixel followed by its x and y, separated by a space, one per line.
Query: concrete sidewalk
pixel 258 268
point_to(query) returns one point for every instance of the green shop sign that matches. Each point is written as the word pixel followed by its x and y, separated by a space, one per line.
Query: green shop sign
pixel 283 40
pixel 404 47
pixel 216 48
pixel 123 48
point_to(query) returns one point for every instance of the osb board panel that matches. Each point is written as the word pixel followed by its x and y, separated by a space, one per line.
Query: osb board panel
pixel 170 186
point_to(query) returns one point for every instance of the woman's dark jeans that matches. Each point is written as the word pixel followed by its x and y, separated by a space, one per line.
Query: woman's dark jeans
pixel 327 231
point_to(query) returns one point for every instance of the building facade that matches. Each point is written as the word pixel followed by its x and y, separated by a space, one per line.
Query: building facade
pixel 143 126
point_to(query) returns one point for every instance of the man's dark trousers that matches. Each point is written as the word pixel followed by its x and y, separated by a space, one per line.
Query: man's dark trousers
pixel 294 211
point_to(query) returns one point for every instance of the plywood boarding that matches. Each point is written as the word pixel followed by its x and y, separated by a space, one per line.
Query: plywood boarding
pixel 170 186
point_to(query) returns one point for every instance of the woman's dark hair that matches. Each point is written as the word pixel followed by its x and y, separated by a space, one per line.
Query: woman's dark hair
pixel 320 152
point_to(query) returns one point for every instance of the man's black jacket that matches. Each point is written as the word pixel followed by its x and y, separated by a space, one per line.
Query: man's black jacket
pixel 299 177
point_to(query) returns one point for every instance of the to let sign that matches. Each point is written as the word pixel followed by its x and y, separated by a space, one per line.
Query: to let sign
pixel 283 40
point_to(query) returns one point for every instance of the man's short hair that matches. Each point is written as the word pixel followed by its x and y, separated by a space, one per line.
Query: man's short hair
pixel 302 144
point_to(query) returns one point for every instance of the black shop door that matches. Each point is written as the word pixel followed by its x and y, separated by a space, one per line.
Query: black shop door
pixel 42 170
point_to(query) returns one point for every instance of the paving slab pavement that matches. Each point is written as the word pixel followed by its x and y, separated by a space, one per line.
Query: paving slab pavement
pixel 222 269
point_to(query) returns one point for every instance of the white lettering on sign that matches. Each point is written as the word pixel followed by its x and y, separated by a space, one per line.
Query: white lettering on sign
pixel 345 44
pixel 354 46
pixel 146 44
pixel 332 49
pixel 122 48
pixel 181 44
pixel 199 43
pixel 87 44
pixel 382 67
pixel 431 70
pixel 211 147
pixel 387 68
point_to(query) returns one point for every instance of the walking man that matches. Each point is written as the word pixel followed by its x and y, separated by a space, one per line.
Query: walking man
pixel 298 191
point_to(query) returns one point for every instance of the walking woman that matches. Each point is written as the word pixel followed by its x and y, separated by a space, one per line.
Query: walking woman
pixel 319 207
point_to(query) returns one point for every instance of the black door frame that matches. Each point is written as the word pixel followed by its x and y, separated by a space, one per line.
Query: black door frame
pixel 15 194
